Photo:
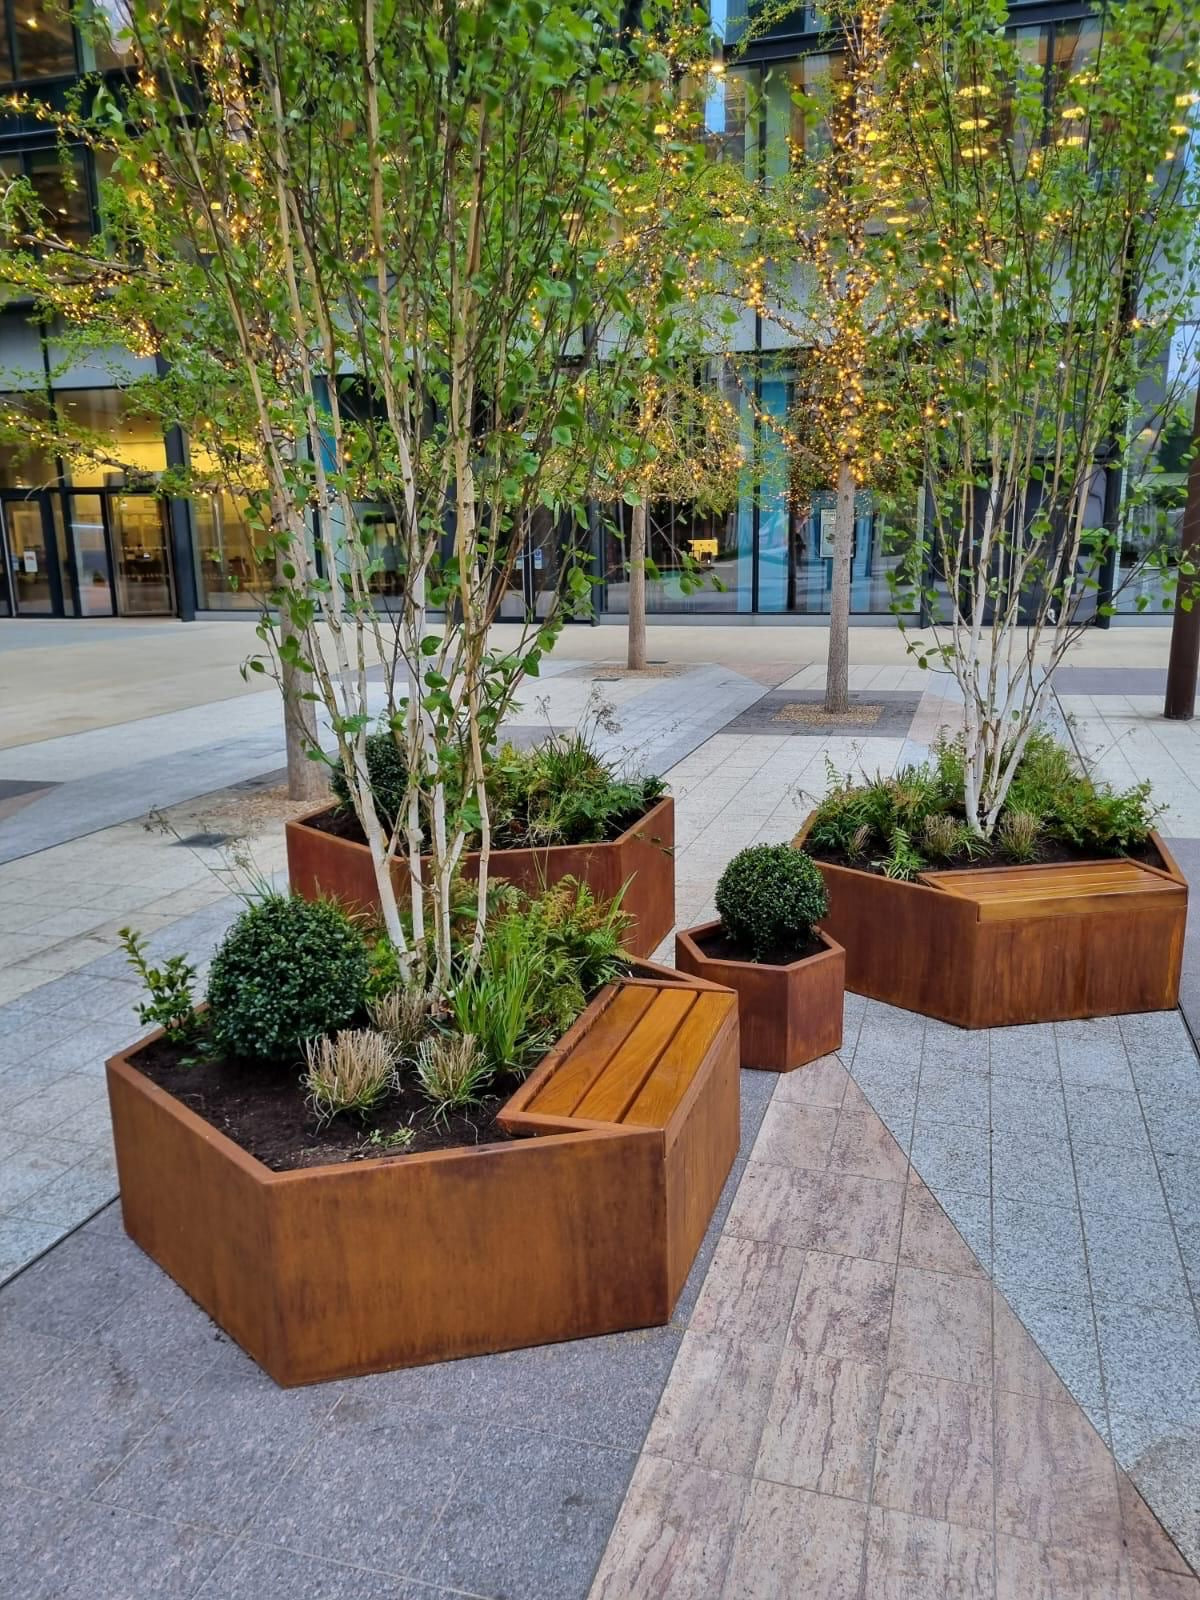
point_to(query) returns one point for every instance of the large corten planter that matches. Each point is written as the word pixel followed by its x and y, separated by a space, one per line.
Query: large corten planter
pixel 787 1015
pixel 588 1225
pixel 990 947
pixel 320 863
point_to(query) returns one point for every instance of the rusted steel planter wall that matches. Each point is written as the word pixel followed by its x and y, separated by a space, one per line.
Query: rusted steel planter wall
pixel 586 1226
pixel 787 1015
pixel 1032 959
pixel 320 863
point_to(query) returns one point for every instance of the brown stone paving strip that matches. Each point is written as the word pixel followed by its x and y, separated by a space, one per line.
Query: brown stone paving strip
pixel 857 1414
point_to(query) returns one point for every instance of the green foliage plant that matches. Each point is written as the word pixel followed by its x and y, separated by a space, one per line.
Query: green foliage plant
pixel 387 775
pixel 172 1002
pixel 453 1073
pixel 287 971
pixel 351 1070
pixel 1020 835
pixel 562 792
pixel 768 898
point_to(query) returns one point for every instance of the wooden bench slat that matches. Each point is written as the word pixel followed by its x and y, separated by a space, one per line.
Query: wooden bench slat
pixel 677 1065
pixel 594 1051
pixel 1004 893
pixel 617 1086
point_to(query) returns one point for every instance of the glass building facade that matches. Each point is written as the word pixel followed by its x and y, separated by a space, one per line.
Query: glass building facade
pixel 78 538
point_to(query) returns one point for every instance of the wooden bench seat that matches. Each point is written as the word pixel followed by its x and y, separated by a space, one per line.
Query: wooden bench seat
pixel 1009 894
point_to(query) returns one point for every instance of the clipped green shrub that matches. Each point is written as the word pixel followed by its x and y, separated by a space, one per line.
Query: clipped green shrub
pixel 768 898
pixel 287 971
pixel 388 772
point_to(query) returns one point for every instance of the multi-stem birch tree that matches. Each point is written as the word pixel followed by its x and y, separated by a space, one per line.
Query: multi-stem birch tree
pixel 1052 242
pixel 372 245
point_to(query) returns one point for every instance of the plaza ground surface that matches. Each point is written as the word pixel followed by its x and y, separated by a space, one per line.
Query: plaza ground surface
pixel 942 1338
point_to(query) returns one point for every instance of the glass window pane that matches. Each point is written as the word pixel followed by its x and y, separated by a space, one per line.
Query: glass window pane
pixel 229 574
pixel 45 39
pixel 63 192
pixel 139 535
pixel 123 445
pixel 24 464
pixel 91 556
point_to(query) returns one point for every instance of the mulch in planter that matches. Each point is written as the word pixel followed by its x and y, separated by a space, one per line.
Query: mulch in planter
pixel 1054 853
pixel 342 823
pixel 718 946
pixel 262 1108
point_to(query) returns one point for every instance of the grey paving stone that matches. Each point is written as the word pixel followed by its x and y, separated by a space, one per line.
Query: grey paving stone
pixel 1130 1259
pixel 1026 1051
pixel 73 1291
pixel 530 1516
pixel 26 1171
pixel 950 1156
pixel 958 1049
pixel 1174 1123
pixel 1164 1075
pixel 1032 1169
pixel 1188 1234
pixel 1030 1105
pixel 371 1486
pixel 1105 1116
pixel 1092 1053
pixel 951 1094
pixel 1119 1183
pixel 74 1195
pixel 971 1214
pixel 29 1040
pixel 1037 1247
pixel 1062 1323
pixel 1154 1033
pixel 602 1391
pixel 89 1048
pixel 51 1108
pixel 24 1357
pixel 255 1572
pixel 1151 1362
pixel 222 1449
pixel 31 1524
pixel 106 1553
pixel 1163 1459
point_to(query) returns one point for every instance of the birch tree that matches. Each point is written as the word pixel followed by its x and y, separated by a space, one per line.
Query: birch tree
pixel 1051 237
pixel 372 245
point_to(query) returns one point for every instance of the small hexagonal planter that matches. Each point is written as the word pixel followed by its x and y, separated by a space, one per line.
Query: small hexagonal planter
pixel 788 1015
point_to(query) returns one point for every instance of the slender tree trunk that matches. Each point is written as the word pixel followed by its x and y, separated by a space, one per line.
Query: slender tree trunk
pixel 636 656
pixel 1180 705
pixel 306 779
pixel 837 672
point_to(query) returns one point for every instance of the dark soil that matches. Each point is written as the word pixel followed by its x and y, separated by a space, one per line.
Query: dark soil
pixel 720 947
pixel 343 824
pixel 263 1109
pixel 1054 852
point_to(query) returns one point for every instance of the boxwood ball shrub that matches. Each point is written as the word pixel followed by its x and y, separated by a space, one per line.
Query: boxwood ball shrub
pixel 768 898
pixel 387 770
pixel 287 971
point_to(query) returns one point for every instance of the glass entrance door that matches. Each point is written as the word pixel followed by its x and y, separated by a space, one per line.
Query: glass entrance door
pixel 32 571
pixel 145 583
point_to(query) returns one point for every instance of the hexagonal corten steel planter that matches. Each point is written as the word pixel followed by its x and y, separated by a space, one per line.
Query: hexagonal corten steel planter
pixel 994 946
pixel 321 863
pixel 586 1224
pixel 787 1015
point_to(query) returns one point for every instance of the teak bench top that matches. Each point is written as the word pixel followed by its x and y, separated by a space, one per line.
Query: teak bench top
pixel 1003 894
pixel 637 1068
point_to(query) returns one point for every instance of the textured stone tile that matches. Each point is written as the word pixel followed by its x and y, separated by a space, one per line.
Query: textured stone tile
pixel 821 1083
pixel 712 1409
pixel 1175 1072
pixel 929 1239
pixel 1032 1106
pixel 1154 1033
pixel 863 1145
pixel 1063 1325
pixel 1055 1479
pixel 1147 1584
pixel 953 1156
pixel 1092 1053
pixel 1181 1181
pixel 1025 1051
pixel 71 1292
pixel 1029 1571
pixel 1174 1123
pixel 1105 1116
pixel 324 1507
pixel 24 1356
pixel 820 1427
pixel 1118 1182
pixel 219 1453
pixel 1162 1458
pixel 530 1515
pixel 1038 1247
pixel 73 1195
pixel 1028 1168
pixel 1133 1260
pixel 934 1454
pixel 971 1215
pixel 749 1291
pixel 796 1135
pixel 24 1172
pixel 942 1326
pixel 956 1048
pixel 916 1558
pixel 794 1543
pixel 256 1572
pixel 821 1210
pixel 1151 1361
pixel 674 1534
pixel 951 1094
pixel 1019 1365
pixel 104 1551
pixel 1147 1542
pixel 22 1240
pixel 842 1307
